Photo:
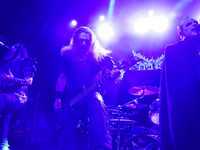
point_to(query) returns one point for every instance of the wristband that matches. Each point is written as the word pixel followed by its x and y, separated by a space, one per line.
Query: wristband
pixel 58 95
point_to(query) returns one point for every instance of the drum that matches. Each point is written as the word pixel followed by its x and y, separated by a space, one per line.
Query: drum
pixel 118 120
pixel 116 114
pixel 142 142
pixel 154 112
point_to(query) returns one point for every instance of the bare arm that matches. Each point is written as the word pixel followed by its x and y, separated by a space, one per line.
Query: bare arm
pixel 60 86
pixel 61 81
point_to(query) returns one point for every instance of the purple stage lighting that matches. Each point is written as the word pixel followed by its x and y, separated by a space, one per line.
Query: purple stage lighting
pixel 74 22
pixel 151 13
pixel 142 25
pixel 159 24
pixel 101 18
pixel 105 31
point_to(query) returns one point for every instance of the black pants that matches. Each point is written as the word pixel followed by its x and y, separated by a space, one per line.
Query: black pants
pixel 94 109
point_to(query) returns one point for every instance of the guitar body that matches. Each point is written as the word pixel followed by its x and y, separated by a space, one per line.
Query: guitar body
pixel 9 93
pixel 61 120
pixel 68 113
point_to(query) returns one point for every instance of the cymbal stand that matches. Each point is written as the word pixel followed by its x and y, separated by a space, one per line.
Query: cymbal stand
pixel 119 107
pixel 118 129
pixel 135 100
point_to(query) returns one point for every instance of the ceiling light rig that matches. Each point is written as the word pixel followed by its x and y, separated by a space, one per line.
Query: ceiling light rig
pixel 73 22
pixel 154 23
pixel 105 31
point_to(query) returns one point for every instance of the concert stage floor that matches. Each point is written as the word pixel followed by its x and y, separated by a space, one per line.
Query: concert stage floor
pixel 35 146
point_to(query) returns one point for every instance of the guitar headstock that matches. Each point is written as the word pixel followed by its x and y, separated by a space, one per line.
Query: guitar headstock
pixel 117 72
pixel 128 62
pixel 18 49
pixel 30 63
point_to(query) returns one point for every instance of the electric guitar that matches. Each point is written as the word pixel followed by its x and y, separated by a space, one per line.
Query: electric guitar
pixel 12 67
pixel 61 121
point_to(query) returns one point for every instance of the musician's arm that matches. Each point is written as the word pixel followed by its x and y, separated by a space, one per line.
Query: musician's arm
pixel 28 71
pixel 27 80
pixel 110 67
pixel 60 86
pixel 27 68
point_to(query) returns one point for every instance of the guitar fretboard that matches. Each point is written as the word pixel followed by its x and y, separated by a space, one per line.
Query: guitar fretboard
pixel 89 90
pixel 126 63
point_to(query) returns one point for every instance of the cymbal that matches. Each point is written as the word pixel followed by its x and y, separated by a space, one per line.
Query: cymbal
pixel 138 106
pixel 146 90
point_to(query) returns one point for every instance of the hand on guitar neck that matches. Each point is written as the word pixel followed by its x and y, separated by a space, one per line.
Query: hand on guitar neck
pixel 114 75
pixel 7 77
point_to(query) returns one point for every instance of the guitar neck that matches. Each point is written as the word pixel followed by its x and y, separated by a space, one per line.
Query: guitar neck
pixel 126 63
pixel 88 90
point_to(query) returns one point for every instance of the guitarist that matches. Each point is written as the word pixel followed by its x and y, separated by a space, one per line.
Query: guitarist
pixel 16 74
pixel 85 62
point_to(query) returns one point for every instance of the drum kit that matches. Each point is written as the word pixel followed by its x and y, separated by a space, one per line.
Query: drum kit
pixel 126 135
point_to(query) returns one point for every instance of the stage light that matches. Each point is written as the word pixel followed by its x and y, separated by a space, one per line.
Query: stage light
pixel 142 25
pixel 74 22
pixel 105 31
pixel 151 13
pixel 159 24
pixel 101 18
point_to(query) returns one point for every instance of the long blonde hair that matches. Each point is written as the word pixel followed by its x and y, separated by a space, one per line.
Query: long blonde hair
pixel 97 52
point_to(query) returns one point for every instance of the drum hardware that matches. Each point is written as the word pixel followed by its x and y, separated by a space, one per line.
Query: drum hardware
pixel 116 111
pixel 143 90
pixel 121 124
pixel 118 128
pixel 137 106
pixel 119 120
pixel 132 101
pixel 141 137
pixel 123 120
pixel 142 142
pixel 117 114
pixel 154 112
pixel 119 131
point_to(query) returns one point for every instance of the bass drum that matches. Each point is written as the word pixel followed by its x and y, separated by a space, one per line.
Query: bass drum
pixel 142 142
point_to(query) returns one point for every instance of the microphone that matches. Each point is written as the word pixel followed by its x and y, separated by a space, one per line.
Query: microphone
pixel 4 45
